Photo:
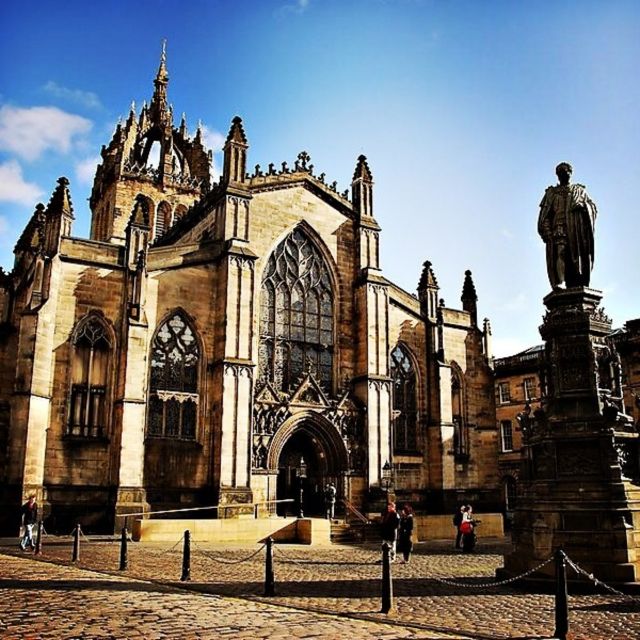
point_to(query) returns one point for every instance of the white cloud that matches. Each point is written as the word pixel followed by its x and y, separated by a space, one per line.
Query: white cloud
pixel 85 98
pixel 506 233
pixel 30 131
pixel 213 140
pixel 13 187
pixel 295 6
pixel 86 169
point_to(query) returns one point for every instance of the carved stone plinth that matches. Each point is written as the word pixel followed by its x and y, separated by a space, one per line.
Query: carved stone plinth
pixel 579 484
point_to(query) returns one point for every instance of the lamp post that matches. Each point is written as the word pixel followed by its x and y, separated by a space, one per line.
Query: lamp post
pixel 387 478
pixel 302 474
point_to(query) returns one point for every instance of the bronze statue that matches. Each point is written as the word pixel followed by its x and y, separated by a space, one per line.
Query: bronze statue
pixel 566 224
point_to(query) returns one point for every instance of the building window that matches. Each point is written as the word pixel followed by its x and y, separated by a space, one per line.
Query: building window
pixel 529 385
pixel 460 429
pixel 403 377
pixel 504 393
pixel 506 435
pixel 89 380
pixel 296 316
pixel 173 392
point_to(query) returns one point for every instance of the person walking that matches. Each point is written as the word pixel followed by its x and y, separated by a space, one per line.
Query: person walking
pixel 457 521
pixel 29 517
pixel 467 529
pixel 405 533
pixel 390 524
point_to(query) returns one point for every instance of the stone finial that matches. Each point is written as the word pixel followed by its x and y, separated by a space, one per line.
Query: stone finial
pixel 236 132
pixel 428 278
pixel 469 296
pixel 302 162
pixel 362 189
pixel 162 75
pixel 60 202
pixel 362 170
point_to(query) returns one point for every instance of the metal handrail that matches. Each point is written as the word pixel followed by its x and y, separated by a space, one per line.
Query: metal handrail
pixel 360 516
pixel 215 506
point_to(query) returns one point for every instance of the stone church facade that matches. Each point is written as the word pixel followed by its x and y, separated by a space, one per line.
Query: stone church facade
pixel 210 334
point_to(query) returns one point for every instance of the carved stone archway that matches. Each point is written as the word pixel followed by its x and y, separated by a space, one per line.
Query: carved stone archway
pixel 309 435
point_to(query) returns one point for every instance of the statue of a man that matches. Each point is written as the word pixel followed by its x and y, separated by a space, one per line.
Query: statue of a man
pixel 566 224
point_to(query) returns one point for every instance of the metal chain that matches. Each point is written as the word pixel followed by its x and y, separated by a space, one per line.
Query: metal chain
pixel 598 583
pixel 204 552
pixel 278 549
pixel 453 583
pixel 174 546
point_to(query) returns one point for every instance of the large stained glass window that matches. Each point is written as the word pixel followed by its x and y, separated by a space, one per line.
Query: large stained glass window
pixel 173 392
pixel 90 372
pixel 403 376
pixel 296 315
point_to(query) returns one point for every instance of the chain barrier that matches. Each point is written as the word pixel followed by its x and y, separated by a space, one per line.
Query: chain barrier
pixel 207 554
pixel 278 550
pixel 174 546
pixel 453 583
pixel 598 583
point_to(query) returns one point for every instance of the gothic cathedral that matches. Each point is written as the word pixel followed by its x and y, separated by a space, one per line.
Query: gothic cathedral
pixel 209 335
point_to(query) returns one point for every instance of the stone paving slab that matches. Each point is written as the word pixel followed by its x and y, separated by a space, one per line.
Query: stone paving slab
pixel 346 581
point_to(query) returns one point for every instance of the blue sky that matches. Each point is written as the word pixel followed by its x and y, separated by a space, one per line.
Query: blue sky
pixel 462 108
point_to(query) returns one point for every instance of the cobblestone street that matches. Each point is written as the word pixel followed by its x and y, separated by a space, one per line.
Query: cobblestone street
pixel 320 593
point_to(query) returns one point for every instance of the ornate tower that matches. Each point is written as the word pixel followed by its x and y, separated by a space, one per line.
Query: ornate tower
pixel 149 157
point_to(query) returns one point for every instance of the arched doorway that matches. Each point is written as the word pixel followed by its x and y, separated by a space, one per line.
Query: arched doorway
pixel 325 457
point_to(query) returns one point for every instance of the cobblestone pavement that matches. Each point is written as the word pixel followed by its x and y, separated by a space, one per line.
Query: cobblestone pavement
pixel 342 581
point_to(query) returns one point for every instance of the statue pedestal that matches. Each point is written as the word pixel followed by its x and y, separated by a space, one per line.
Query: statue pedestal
pixel 579 484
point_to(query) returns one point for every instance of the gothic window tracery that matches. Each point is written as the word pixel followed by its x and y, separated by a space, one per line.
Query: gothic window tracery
pixel 173 387
pixel 296 315
pixel 90 370
pixel 403 375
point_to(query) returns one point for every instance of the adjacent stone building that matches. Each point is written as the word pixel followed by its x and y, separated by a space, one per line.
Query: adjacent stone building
pixel 209 335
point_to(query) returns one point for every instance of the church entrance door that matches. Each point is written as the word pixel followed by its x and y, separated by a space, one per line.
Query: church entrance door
pixel 303 444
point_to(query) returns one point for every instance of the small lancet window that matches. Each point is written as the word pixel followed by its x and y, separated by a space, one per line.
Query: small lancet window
pixel 405 413
pixel 173 398
pixel 90 371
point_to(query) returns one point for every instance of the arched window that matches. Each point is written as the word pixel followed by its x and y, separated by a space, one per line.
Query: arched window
pixel 173 388
pixel 163 219
pixel 296 315
pixel 403 376
pixel 90 369
pixel 460 430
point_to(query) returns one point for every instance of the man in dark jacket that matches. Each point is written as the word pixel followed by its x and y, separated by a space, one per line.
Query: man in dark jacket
pixel 29 514
pixel 457 521
pixel 390 524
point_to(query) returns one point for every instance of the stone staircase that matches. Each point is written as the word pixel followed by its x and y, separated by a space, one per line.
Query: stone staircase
pixel 353 532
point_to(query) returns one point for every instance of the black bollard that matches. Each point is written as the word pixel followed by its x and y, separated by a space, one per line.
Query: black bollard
pixel 38 551
pixel 186 557
pixel 269 578
pixel 562 604
pixel 76 544
pixel 124 558
pixel 387 583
